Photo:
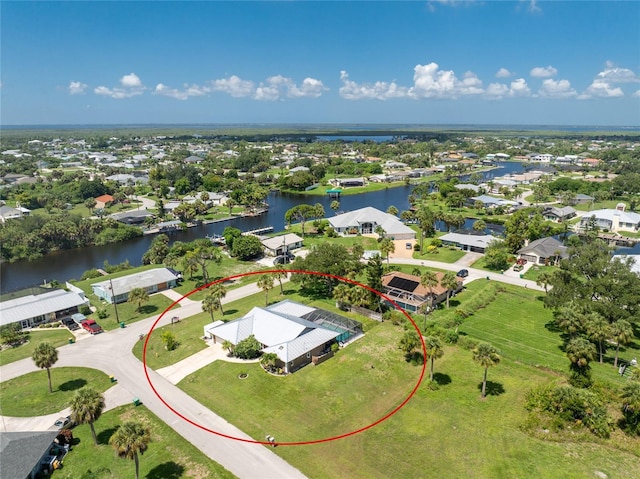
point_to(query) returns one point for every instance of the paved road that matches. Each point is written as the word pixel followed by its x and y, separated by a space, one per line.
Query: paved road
pixel 111 352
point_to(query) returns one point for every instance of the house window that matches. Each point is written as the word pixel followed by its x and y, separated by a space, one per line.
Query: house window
pixel 308 355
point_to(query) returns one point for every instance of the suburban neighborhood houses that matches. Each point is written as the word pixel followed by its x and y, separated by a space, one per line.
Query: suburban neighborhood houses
pixel 500 274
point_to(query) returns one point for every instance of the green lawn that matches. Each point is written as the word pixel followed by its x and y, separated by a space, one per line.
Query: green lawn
pixel 188 333
pixel 443 254
pixel 29 395
pixel 518 324
pixel 169 455
pixel 449 432
pixel 55 337
pixel 536 270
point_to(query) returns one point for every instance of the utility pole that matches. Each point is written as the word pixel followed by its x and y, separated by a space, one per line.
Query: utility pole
pixel 113 298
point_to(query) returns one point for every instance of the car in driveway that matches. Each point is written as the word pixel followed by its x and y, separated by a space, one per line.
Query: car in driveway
pixel 463 273
pixel 284 258
pixel 63 423
pixel 70 324
pixel 91 326
pixel 518 267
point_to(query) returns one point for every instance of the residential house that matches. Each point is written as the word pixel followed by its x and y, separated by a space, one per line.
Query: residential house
pixel 490 201
pixel 583 199
pixel 468 240
pixel 543 251
pixel 558 214
pixel 132 217
pixel 9 213
pixel 117 290
pixel 406 290
pixel 347 182
pixel 366 220
pixel 28 454
pixel 296 333
pixel 103 201
pixel 612 220
pixel 34 309
pixel 282 244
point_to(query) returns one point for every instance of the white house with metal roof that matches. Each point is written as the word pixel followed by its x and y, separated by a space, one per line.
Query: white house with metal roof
pixel 367 219
pixel 613 220
pixel 282 244
pixel 296 333
pixel 35 309
pixel 117 290
pixel 476 243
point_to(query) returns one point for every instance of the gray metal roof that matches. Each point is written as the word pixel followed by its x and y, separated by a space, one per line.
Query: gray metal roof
pixel 368 214
pixel 21 451
pixel 479 241
pixel 32 306
pixel 277 241
pixel 545 248
pixel 144 279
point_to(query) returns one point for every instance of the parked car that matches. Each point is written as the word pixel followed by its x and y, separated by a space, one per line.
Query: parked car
pixel 78 318
pixel 518 267
pixel 91 326
pixel 284 258
pixel 63 423
pixel 70 324
pixel 408 245
pixel 463 273
pixel 521 261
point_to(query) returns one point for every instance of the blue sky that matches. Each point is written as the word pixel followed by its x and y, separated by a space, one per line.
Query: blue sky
pixel 427 62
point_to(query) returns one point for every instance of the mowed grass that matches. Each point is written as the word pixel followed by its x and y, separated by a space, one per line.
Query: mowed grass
pixel 443 254
pixel 187 332
pixel 55 337
pixel 448 433
pixel 517 323
pixel 29 395
pixel 169 455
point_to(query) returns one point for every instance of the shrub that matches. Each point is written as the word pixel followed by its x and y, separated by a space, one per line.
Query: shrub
pixel 90 273
pixel 169 340
pixel 84 309
pixel 451 336
pixel 248 348
pixel 102 314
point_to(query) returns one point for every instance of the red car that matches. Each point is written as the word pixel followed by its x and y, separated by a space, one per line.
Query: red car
pixel 91 326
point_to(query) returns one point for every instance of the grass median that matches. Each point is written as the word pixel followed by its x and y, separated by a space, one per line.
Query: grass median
pixel 56 337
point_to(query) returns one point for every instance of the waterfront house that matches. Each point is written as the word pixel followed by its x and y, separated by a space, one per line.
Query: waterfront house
pixel 543 251
pixel 468 240
pixel 366 220
pixel 612 220
pixel 117 290
pixel 132 217
pixel 558 214
pixel 278 245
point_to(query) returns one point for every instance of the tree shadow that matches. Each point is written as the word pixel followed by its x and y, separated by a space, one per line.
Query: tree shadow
pixel 147 309
pixel 493 388
pixel 415 358
pixel 230 312
pixel 441 379
pixel 167 470
pixel 105 435
pixel 72 385
pixel 552 327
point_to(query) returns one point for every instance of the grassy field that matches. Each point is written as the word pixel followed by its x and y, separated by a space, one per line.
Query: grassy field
pixel 55 337
pixel 443 254
pixel 29 395
pixel 169 455
pixel 448 433
pixel 518 324
pixel 188 333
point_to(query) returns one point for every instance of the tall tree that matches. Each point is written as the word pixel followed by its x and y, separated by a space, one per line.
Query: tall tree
pixel 598 330
pixel 265 283
pixel 279 275
pixel 139 296
pixel 434 351
pixel 130 440
pixel 631 406
pixel 335 205
pixel 486 356
pixel 571 319
pixel 622 333
pixel 209 305
pixel 45 356
pixel 387 246
pixel 429 280
pixel 301 213
pixel 86 406
pixel 449 282
pixel 580 352
pixel 374 271
pixel 392 210
pixel 217 291
pixel 409 342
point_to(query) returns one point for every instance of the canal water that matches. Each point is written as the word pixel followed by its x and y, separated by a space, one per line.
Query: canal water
pixel 66 265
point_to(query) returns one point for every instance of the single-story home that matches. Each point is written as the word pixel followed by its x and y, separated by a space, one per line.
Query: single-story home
pixel 490 201
pixel 296 333
pixel 278 245
pixel 346 182
pixel 543 251
pixel 27 454
pixel 582 198
pixel 613 220
pixel 117 290
pixel 467 186
pixel 34 309
pixel 558 214
pixel 132 217
pixel 407 291
pixel 365 220
pixel 9 213
pixel 103 201
pixel 473 241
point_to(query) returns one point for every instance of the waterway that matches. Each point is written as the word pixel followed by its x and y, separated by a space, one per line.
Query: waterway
pixel 66 265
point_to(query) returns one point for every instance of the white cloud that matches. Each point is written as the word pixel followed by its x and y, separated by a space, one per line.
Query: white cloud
pixel 503 73
pixel 131 86
pixel 618 75
pixel 543 72
pixel 276 87
pixel 533 7
pixel 519 87
pixel 189 91
pixel 556 89
pixel 602 89
pixel 433 4
pixel 497 91
pixel 234 86
pixel 77 88
pixel 636 94
pixel 431 82
pixel 351 90
pixel 603 84
pixel 310 87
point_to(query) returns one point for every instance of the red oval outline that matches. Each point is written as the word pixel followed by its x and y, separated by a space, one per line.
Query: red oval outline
pixel 297 443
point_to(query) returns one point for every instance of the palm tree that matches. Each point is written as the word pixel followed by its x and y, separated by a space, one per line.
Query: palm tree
pixel 570 319
pixel 409 342
pixel 622 332
pixel 230 204
pixel 227 346
pixel 631 405
pixel 449 282
pixel 544 279
pixel 265 283
pixel 209 305
pixel 131 439
pixel 217 292
pixel 434 351
pixel 45 356
pixel 429 280
pixel 138 295
pixel 335 205
pixel 580 351
pixel 86 406
pixel 486 356
pixel 598 330
pixel 387 246
pixel 279 275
